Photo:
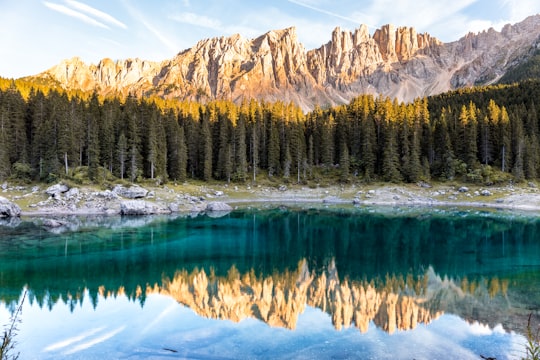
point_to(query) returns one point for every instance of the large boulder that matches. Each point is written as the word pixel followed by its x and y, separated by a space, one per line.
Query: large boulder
pixel 133 192
pixel 9 209
pixel 218 206
pixel 56 189
pixel 141 207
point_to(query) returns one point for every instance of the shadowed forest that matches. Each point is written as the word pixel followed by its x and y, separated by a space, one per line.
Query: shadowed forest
pixel 483 135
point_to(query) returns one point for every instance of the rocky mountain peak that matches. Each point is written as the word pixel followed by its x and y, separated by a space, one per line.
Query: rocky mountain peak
pixel 394 61
pixel 401 43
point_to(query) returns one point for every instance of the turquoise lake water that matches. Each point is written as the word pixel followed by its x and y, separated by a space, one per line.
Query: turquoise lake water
pixel 283 283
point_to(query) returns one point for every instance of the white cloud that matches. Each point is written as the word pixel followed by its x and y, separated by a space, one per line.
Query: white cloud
pixel 197 20
pixel 96 13
pixel 75 14
pixel 519 10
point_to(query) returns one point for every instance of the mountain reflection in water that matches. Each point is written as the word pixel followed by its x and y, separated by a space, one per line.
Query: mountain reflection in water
pixel 393 270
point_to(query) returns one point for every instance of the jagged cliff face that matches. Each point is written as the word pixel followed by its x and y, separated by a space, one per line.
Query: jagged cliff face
pixel 396 62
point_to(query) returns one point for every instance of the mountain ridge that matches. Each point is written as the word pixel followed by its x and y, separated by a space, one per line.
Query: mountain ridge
pixel 394 61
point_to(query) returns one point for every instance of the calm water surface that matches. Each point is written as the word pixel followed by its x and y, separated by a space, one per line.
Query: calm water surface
pixel 275 283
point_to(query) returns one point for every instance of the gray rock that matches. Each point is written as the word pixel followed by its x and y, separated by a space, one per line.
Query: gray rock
pixel 72 193
pixel 133 192
pixel 331 200
pixel 219 193
pixel 107 195
pixel 10 222
pixel 463 189
pixel 424 185
pixel 4 186
pixel 218 206
pixel 282 188
pixel 532 185
pixel 485 192
pixel 9 209
pixel 396 197
pixel 52 223
pixel 356 201
pixel 141 207
pixel 174 207
pixel 56 189
pixel 452 197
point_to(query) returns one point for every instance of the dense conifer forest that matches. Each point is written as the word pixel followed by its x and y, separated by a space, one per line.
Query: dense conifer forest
pixel 484 135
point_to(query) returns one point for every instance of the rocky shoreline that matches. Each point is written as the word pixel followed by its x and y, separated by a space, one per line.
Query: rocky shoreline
pixel 61 199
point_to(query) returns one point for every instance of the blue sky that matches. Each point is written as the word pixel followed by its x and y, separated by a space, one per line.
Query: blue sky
pixel 37 34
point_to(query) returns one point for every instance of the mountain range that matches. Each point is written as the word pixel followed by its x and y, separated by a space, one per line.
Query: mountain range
pixel 393 61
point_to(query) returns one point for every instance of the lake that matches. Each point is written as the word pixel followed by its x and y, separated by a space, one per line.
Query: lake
pixel 274 283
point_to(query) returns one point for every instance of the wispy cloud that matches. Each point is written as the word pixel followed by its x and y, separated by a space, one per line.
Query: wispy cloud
pixel 161 37
pixel 323 11
pixel 197 20
pixel 207 22
pixel 96 13
pixel 75 14
pixel 141 19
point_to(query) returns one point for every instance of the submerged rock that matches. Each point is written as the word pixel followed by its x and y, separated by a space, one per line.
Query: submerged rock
pixel 218 206
pixel 53 223
pixel 9 209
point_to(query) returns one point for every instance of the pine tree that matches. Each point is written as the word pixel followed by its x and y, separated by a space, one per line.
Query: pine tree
pixel 344 163
pixel 298 148
pixel 182 155
pixel 191 125
pixel 240 155
pixel 132 132
pixel 287 162
pixel 176 148
pixel 151 143
pixel 254 121
pixel 444 161
pixel 122 153
pixel 92 132
pixel 273 150
pixel 368 157
pixel 327 143
pixel 13 125
pixel 224 153
pixel 518 141
pixel 468 126
pixel 109 120
pixel 5 165
pixel 390 161
pixel 206 148
pixel 505 140
pixel 532 156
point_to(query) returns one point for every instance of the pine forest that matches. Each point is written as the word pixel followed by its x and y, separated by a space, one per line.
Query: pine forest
pixel 481 135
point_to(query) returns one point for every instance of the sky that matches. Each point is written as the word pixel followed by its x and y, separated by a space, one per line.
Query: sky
pixel 37 34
